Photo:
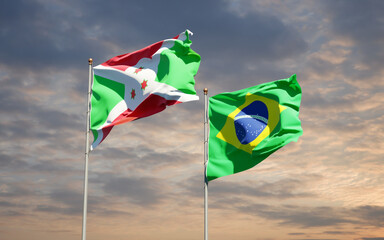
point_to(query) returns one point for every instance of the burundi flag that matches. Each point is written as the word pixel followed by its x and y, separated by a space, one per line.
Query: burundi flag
pixel 248 125
pixel 139 84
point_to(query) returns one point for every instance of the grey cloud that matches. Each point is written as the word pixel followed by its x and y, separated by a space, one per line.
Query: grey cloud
pixel 317 239
pixel 320 67
pixel 29 120
pixel 362 22
pixel 71 198
pixel 171 158
pixel 12 101
pixel 11 162
pixel 283 189
pixel 334 100
pixel 366 26
pixel 52 167
pixel 193 186
pixel 118 153
pixel 142 157
pixel 43 35
pixel 338 232
pixel 63 34
pixel 73 211
pixel 296 234
pixel 107 212
pixel 298 215
pixel 17 190
pixel 374 215
pixel 144 191
pixel 222 192
pixel 14 132
pixel 18 163
pixel 258 33
pixel 7 204
pixel 55 119
pixel 74 199
pixel 12 209
pixel 308 217
pixel 12 213
pixel 68 202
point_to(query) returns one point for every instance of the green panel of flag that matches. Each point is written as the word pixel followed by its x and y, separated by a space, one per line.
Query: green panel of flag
pixel 248 125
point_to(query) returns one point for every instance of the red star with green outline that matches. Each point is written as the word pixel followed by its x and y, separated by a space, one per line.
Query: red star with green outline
pixel 133 94
pixel 144 84
pixel 138 70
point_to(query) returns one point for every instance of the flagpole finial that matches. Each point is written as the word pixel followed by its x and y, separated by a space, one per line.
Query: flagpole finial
pixel 90 61
pixel 205 91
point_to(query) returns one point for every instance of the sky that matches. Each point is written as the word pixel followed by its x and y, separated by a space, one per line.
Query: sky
pixel 146 178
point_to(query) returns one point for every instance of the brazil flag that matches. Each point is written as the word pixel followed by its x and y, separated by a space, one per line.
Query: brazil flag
pixel 248 125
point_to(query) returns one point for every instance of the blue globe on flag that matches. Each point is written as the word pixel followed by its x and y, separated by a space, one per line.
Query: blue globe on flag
pixel 251 121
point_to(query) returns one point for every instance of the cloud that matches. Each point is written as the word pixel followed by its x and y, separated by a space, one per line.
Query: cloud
pixel 10 162
pixel 361 22
pixel 64 201
pixel 15 190
pixel 299 216
pixel 227 192
pixel 12 209
pixel 43 36
pixel 317 239
pixel 51 209
pixel 143 157
pixel 25 119
pixel 373 215
pixel 282 189
pixel 323 216
pixel 11 213
pixel 338 232
pixel 65 36
pixel 69 202
pixel 143 191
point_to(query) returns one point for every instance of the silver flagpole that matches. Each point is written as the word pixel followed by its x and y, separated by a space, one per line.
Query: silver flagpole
pixel 84 229
pixel 205 164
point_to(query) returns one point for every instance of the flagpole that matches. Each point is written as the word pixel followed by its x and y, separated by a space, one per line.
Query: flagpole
pixel 205 164
pixel 84 229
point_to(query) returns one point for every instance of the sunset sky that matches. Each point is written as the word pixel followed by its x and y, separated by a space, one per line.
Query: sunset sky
pixel 146 178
